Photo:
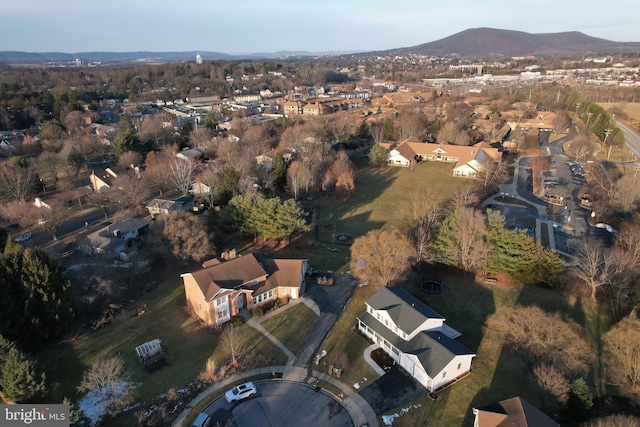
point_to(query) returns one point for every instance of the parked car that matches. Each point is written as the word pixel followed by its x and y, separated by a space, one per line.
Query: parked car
pixel 240 392
pixel 23 237
pixel 203 420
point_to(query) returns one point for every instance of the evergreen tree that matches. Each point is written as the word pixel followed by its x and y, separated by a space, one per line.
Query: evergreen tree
pixel 389 129
pixel 126 139
pixel 580 400
pixel 378 155
pixel 20 378
pixel 517 254
pixel 210 121
pixel 279 173
pixel 265 218
pixel 36 307
pixel 229 187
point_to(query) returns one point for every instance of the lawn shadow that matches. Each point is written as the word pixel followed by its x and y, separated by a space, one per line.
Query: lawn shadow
pixel 511 363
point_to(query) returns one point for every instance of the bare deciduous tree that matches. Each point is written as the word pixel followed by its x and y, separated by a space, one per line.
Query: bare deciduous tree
pixel 617 420
pixel 377 132
pixel 582 148
pixel 380 257
pixel 131 189
pixel 297 176
pixel 156 167
pixel 181 173
pixel 232 342
pixel 450 133
pixel 52 218
pixel 16 177
pixel 110 379
pixel 422 213
pixel 460 240
pixel 22 213
pixel 626 193
pixel 592 266
pixel 548 338
pixel 185 235
pixel 464 197
pixel 552 381
pixel 621 354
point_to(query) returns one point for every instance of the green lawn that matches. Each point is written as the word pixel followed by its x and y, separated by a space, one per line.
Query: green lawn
pixel 375 204
pixel 188 344
pixel 292 326
pixel 344 339
pixel 466 305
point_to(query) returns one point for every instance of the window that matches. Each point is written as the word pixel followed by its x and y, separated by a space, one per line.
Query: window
pixel 444 375
pixel 270 294
pixel 377 315
pixel 386 322
pixel 459 366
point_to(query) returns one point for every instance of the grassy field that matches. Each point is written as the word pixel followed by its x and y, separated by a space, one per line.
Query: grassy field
pixel 188 344
pixel 292 326
pixel 375 204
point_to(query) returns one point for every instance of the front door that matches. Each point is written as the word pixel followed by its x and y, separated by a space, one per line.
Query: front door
pixel 240 301
pixel 294 293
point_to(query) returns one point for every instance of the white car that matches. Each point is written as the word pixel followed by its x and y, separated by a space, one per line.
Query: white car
pixel 240 392
pixel 23 237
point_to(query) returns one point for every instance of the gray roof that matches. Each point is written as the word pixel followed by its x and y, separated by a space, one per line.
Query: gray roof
pixel 406 311
pixel 433 349
pixel 129 225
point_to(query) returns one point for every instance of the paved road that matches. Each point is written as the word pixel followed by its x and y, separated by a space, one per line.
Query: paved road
pixel 305 406
pixel 74 224
pixel 631 138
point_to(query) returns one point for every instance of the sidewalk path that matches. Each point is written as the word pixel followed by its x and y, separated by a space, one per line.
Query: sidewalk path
pixel 361 412
pixel 298 369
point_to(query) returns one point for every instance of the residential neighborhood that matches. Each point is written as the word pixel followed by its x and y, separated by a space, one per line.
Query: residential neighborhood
pixel 380 238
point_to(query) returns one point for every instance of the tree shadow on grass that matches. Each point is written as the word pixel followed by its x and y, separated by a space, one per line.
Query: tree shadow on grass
pixel 511 375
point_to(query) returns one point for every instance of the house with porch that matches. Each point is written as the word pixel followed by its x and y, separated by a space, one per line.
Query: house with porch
pixel 222 288
pixel 469 161
pixel 416 337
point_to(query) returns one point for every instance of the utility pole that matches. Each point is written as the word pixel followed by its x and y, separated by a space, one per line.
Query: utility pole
pixel 589 114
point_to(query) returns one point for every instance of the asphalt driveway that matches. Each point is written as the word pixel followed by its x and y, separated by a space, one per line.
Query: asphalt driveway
pixel 393 389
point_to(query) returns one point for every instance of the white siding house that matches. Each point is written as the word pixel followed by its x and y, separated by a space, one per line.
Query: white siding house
pixel 416 337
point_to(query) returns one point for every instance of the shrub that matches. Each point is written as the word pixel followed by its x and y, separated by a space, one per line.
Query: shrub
pixel 257 312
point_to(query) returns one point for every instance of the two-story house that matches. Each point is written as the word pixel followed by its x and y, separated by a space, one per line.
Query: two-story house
pixel 221 288
pixel 416 337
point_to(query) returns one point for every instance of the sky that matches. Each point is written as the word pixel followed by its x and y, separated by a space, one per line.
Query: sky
pixel 250 26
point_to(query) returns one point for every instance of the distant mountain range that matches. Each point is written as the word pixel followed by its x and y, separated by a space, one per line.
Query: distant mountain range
pixel 474 42
pixel 489 42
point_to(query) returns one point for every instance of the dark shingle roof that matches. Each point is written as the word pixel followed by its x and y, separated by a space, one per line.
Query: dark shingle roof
pixel 434 349
pixel 406 311
pixel 514 412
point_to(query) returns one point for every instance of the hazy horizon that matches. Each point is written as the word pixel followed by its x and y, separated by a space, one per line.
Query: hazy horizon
pixel 289 25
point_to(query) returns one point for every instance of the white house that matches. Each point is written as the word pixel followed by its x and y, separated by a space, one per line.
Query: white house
pixel 416 337
pixel 469 161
